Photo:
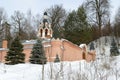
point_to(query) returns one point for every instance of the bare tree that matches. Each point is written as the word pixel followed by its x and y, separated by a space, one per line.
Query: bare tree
pixel 116 25
pixel 3 18
pixel 99 9
pixel 29 28
pixel 18 22
pixel 98 14
pixel 117 16
pixel 58 15
pixel 3 15
pixel 107 29
pixel 37 20
pixel 6 33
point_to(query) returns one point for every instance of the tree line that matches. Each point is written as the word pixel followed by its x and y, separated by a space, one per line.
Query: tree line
pixel 90 21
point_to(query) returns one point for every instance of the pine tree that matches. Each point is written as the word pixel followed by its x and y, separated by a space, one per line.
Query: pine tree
pixel 113 49
pixel 57 59
pixel 92 46
pixel 38 54
pixel 15 55
pixel 76 27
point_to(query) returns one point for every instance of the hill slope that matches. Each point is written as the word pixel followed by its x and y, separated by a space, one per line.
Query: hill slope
pixel 104 68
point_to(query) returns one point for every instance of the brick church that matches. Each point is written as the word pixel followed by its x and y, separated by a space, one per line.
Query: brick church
pixel 66 50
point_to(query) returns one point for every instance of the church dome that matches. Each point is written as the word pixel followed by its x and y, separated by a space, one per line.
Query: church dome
pixel 45 13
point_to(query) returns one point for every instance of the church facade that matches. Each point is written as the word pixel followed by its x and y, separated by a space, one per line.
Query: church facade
pixel 64 49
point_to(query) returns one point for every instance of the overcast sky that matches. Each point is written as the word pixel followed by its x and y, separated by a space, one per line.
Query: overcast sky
pixel 39 6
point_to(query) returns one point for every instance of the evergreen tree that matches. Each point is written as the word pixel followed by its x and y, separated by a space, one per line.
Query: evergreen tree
pixel 38 54
pixel 57 59
pixel 92 46
pixel 15 55
pixel 77 29
pixel 113 49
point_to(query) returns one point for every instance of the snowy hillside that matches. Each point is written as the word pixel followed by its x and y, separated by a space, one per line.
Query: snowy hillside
pixel 104 68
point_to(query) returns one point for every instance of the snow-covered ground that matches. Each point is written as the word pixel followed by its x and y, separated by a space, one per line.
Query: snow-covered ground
pixel 104 68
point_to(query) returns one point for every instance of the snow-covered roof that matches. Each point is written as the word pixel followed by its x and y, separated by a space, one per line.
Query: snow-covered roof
pixel 47 45
pixel 1 49
pixel 82 45
pixel 29 42
pixel 46 40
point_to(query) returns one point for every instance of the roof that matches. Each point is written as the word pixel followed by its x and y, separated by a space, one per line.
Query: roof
pixel 28 42
pixel 1 49
pixel 82 45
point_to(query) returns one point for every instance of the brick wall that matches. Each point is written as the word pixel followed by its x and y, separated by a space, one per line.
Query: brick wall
pixel 66 51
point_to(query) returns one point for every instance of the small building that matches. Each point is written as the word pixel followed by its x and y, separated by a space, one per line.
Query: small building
pixel 66 50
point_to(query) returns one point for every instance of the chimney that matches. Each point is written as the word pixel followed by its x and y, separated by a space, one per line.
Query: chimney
pixel 4 43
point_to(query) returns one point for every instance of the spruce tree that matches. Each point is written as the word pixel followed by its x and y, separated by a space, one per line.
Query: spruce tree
pixel 38 53
pixel 76 27
pixel 15 55
pixel 113 49
pixel 57 59
pixel 92 46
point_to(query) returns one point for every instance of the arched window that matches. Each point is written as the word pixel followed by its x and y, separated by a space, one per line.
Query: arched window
pixel 46 31
pixel 41 32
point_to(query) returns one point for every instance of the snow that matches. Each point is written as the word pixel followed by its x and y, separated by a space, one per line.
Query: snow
pixel 82 45
pixel 70 70
pixel 103 68
pixel 47 45
pixel 29 42
pixel 33 72
pixel 3 49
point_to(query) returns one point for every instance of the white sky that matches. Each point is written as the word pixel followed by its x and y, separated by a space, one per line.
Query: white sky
pixel 39 6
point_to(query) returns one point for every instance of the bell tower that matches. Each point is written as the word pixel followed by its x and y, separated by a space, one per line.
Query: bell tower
pixel 45 31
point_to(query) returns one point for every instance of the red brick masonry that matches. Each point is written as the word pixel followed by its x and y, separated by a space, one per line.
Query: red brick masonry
pixel 66 50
